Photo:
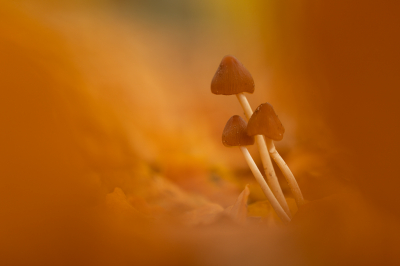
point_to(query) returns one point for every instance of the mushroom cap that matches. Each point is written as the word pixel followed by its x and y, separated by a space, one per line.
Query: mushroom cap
pixel 234 133
pixel 264 121
pixel 231 78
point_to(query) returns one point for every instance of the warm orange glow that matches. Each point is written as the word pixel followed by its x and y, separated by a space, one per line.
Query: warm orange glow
pixel 110 139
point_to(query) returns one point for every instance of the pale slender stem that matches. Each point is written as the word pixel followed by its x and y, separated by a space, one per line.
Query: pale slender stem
pixel 264 186
pixel 248 112
pixel 294 187
pixel 270 173
pixel 265 158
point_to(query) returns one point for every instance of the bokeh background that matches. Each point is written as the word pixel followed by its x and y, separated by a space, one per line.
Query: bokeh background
pixel 110 138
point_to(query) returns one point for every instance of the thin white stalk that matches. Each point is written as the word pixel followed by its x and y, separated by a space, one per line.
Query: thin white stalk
pixel 264 186
pixel 248 112
pixel 265 158
pixel 294 187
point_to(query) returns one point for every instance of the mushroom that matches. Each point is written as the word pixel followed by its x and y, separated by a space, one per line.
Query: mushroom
pixel 234 134
pixel 265 122
pixel 233 78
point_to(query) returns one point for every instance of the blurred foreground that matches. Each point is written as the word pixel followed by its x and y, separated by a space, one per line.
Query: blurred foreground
pixel 110 138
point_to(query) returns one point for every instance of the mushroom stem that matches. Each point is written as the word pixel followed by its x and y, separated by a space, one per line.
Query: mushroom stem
pixel 264 186
pixel 245 105
pixel 294 187
pixel 265 158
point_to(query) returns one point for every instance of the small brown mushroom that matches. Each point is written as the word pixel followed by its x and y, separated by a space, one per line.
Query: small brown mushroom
pixel 231 78
pixel 264 121
pixel 234 134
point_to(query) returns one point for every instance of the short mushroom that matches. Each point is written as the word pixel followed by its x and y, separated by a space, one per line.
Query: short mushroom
pixel 234 134
pixel 264 121
pixel 232 78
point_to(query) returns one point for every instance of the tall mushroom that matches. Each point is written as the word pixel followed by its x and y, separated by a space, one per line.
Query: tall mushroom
pixel 232 78
pixel 265 122
pixel 234 134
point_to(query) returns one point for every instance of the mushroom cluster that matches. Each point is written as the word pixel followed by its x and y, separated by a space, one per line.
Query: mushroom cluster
pixel 264 126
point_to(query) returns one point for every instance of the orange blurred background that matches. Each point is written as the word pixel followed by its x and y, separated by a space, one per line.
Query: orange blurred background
pixel 110 138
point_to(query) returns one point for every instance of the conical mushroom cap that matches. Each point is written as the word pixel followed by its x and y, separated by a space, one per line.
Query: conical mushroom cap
pixel 235 133
pixel 264 121
pixel 231 78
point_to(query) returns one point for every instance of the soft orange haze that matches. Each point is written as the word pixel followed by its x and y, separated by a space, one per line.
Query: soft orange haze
pixel 110 139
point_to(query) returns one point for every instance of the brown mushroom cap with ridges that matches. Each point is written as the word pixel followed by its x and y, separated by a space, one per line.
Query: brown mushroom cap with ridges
pixel 231 78
pixel 234 133
pixel 264 121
